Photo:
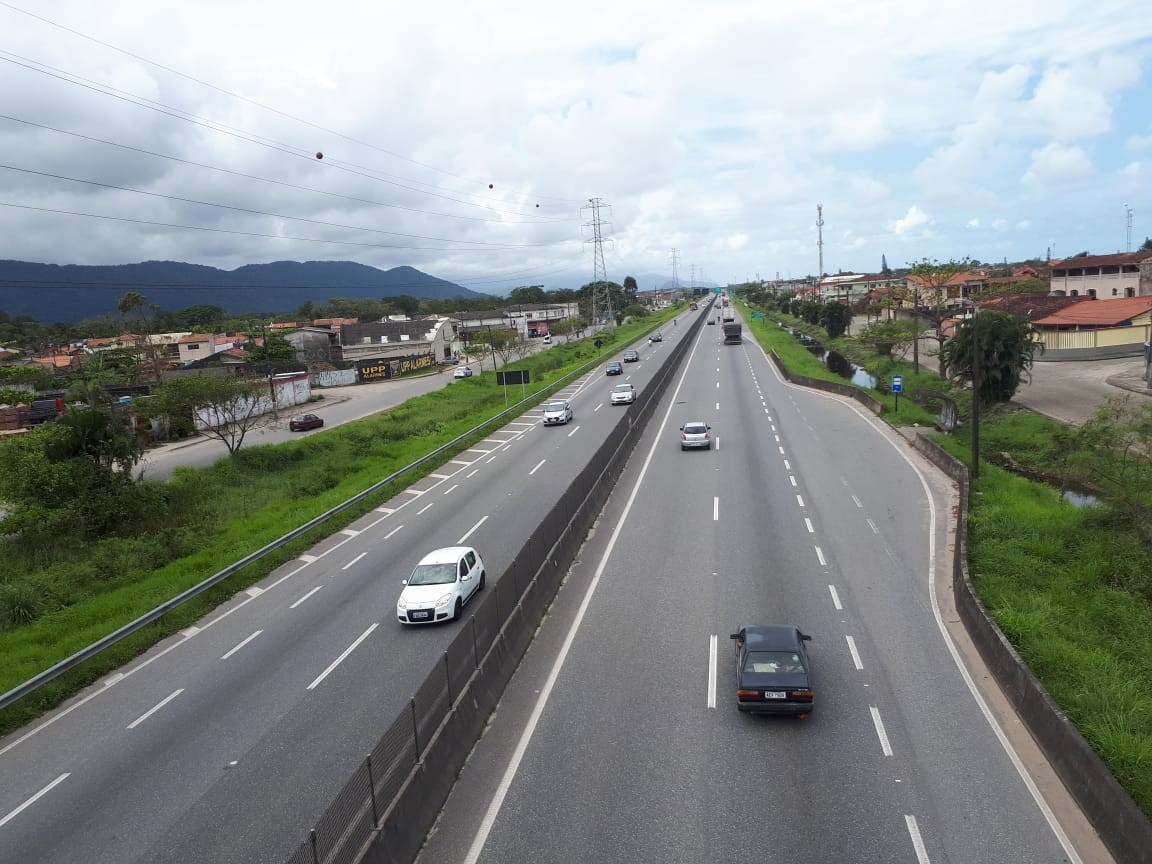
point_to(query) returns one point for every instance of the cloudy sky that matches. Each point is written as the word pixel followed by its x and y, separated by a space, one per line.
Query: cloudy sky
pixel 468 138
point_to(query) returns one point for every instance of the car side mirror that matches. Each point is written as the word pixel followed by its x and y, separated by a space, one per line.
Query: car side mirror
pixel 403 581
pixel 805 637
pixel 735 636
pixel 682 429
pixel 465 577
pixel 709 428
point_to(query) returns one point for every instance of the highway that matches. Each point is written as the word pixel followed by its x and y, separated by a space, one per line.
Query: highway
pixel 619 740
pixel 228 741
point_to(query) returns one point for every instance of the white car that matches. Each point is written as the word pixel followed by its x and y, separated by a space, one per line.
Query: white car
pixel 441 584
pixel 623 394
pixel 462 372
pixel 557 412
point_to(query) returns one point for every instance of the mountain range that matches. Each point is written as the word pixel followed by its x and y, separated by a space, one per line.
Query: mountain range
pixel 72 292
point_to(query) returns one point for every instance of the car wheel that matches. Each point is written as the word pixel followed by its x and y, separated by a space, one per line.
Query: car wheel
pixel 480 586
pixel 456 610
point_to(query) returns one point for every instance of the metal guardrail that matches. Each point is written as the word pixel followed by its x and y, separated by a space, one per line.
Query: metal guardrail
pixel 32 684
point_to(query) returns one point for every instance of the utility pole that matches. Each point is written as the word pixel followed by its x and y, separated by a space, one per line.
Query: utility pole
pixel 1128 213
pixel 601 296
pixel 820 240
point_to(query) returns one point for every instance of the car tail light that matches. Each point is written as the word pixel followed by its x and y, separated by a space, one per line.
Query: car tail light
pixel 748 695
pixel 800 694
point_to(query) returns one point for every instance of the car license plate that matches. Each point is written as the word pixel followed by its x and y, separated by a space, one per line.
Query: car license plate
pixel 774 694
pixel 415 616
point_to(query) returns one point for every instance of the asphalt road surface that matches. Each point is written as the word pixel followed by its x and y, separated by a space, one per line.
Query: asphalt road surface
pixel 227 742
pixel 619 740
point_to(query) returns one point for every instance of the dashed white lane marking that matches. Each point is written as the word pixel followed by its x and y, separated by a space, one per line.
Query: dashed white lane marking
pixel 872 525
pixel 781 449
pixel 598 407
pixel 574 431
pixel 881 734
pixel 712 672
pixel 416 492
pixel 351 532
pixel 855 654
pixel 468 534
pixel 241 645
pixel 787 466
pixel 306 596
pixel 792 479
pixel 343 656
pixel 799 501
pixel 917 840
pixel 12 814
pixel 357 558
pixel 857 501
pixel 493 459
pixel 716 509
pixel 820 557
pixel 155 708
pixel 448 491
pixel 387 511
pixel 717 406
pixel 393 531
pixel 777 437
pixel 835 596
pixel 808 525
pixel 537 468
pixel 472 473
pixel 425 507
pixel 717 385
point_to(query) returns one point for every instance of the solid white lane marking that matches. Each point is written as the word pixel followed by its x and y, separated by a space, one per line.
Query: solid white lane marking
pixel 448 491
pixel 598 407
pixel 792 479
pixel 799 501
pixel 306 596
pixel 12 814
pixel 820 557
pixel 808 525
pixel 712 672
pixel 358 557
pixel 574 431
pixel 472 473
pixel 517 757
pixel 241 645
pixel 537 468
pixel 872 525
pixel 460 542
pixel 835 596
pixel 425 507
pixel 857 501
pixel 343 656
pixel 418 492
pixel 855 654
pixel 716 509
pixel 393 531
pixel 155 708
pixel 881 734
pixel 917 840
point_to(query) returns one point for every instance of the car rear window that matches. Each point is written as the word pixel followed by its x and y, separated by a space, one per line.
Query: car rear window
pixel 695 428
pixel 773 662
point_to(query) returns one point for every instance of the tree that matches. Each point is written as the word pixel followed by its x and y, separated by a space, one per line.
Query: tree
pixel 404 304
pixel 1117 441
pixel 227 407
pixel 884 265
pixel 835 318
pixel 635 310
pixel 926 289
pixel 889 338
pixel 527 294
pixel 1003 347
pixel 499 342
pixel 275 349
pixel 1146 246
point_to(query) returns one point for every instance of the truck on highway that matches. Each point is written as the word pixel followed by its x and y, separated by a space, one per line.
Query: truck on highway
pixel 732 333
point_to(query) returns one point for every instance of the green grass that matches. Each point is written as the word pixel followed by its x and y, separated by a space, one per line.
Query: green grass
pixel 74 593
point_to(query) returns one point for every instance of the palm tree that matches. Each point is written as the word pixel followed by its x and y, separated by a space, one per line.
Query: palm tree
pixel 1006 347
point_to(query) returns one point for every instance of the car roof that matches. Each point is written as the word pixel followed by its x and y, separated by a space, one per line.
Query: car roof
pixel 446 555
pixel 622 387
pixel 771 637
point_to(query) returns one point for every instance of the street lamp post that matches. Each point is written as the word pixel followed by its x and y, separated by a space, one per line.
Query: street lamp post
pixel 975 392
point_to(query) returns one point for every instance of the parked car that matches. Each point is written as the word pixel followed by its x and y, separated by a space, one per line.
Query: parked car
pixel 556 413
pixel 695 434
pixel 441 584
pixel 450 361
pixel 613 368
pixel 548 339
pixel 304 422
pixel 631 356
pixel 773 675
pixel 623 394
pixel 462 372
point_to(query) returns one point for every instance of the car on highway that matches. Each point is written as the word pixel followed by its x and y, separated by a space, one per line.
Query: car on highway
pixel 631 356
pixel 656 337
pixel 443 581
pixel 695 434
pixel 623 394
pixel 614 368
pixel 556 413
pixel 773 675
pixel 462 372
pixel 304 422
pixel 710 321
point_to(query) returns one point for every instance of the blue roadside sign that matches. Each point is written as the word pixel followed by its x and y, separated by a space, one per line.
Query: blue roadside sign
pixel 897 383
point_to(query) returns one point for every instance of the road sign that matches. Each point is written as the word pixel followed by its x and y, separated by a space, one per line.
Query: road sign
pixel 897 383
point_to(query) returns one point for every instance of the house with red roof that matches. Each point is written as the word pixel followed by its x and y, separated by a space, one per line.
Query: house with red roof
pixel 1097 329
pixel 1125 274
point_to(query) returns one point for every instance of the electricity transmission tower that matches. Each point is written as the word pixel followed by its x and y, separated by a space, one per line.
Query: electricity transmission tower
pixel 675 273
pixel 601 296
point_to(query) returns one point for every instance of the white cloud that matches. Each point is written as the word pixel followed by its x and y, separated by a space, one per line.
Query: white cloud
pixel 913 219
pixel 972 223
pixel 1138 142
pixel 1057 164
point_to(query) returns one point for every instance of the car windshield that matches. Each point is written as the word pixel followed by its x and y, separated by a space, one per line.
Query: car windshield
pixel 556 407
pixel 773 662
pixel 695 428
pixel 622 388
pixel 433 574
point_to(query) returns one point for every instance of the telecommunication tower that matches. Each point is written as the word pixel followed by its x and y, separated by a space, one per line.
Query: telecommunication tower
pixel 820 239
pixel 1128 213
pixel 601 296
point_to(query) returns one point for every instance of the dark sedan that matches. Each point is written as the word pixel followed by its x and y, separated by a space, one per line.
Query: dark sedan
pixel 772 671
pixel 631 356
pixel 303 422
pixel 614 368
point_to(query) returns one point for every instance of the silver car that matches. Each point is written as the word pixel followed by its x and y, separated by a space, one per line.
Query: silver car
pixel 623 394
pixel 556 413
pixel 695 434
